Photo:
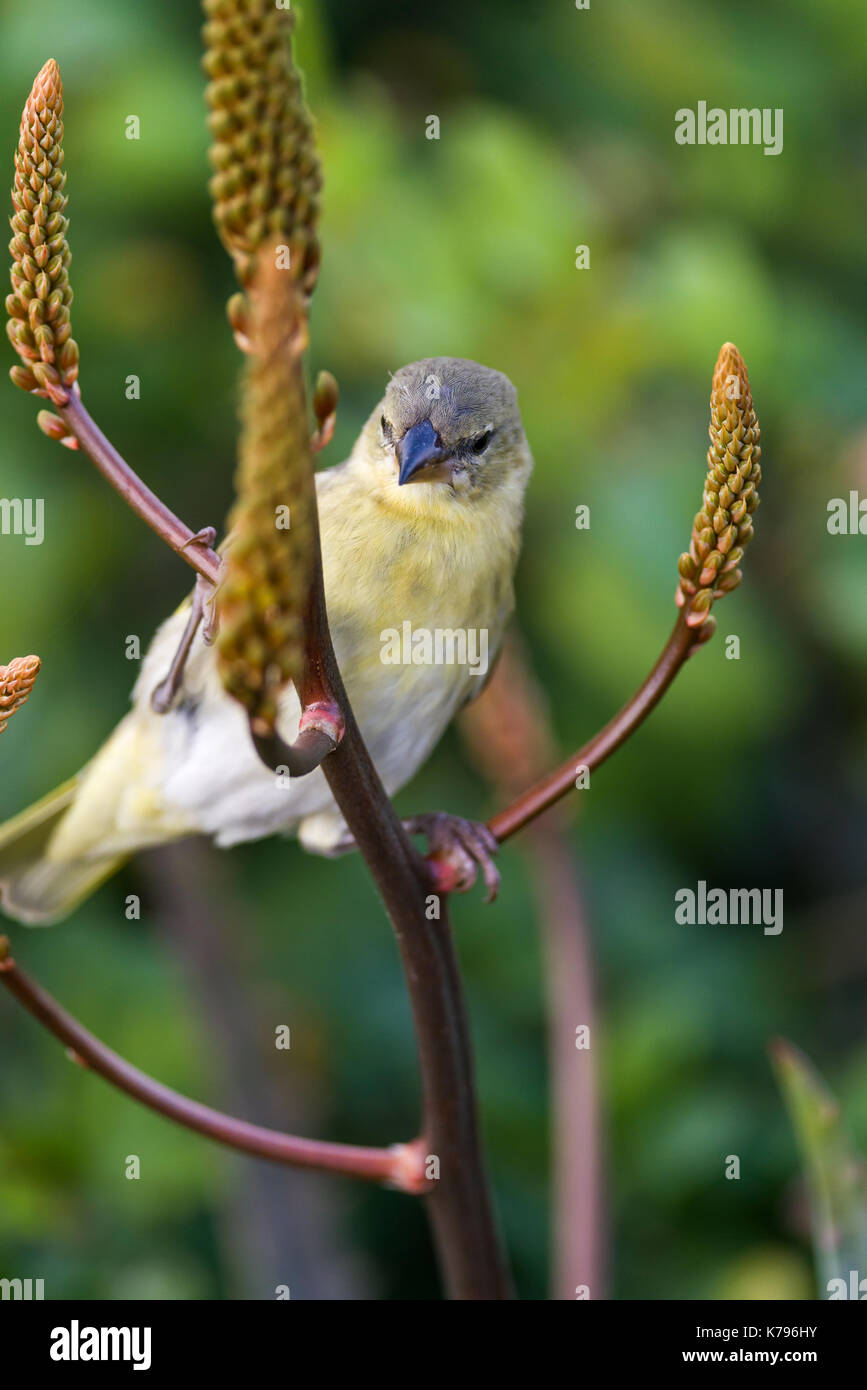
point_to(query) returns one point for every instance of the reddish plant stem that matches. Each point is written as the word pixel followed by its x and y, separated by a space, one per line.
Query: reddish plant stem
pixel 324 435
pixel 400 1166
pixel 460 1207
pixel 578 1245
pixel 137 495
pixel 300 757
pixel 322 724
pixel 532 803
pixel 313 743
pixel 459 1202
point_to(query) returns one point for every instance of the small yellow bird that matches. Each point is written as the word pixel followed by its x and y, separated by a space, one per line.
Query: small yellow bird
pixel 421 531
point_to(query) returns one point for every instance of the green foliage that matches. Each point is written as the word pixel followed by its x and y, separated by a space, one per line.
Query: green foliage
pixel 836 1175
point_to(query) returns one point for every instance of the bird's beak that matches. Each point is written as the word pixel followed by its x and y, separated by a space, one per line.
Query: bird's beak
pixel 420 447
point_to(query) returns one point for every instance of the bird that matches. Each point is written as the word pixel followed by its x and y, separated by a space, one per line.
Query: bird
pixel 420 533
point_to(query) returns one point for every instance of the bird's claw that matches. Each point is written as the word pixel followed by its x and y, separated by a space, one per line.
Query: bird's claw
pixel 205 538
pixel 202 606
pixel 457 849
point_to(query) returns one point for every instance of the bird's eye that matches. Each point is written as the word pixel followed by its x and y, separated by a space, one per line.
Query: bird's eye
pixel 387 429
pixel 481 442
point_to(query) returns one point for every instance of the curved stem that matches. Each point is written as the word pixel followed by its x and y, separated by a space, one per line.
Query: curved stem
pixel 401 1166
pixel 315 741
pixel 320 731
pixel 459 1205
pixel 532 803
pixel 298 758
pixel 125 481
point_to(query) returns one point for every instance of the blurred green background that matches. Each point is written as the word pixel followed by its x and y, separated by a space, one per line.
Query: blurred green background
pixel 557 129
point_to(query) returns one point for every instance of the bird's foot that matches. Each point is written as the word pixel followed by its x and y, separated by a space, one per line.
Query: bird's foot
pixel 457 849
pixel 205 538
pixel 202 607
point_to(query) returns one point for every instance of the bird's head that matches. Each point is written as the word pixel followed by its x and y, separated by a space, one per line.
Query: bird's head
pixel 446 435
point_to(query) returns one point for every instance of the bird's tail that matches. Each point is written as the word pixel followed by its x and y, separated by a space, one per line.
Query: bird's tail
pixel 35 888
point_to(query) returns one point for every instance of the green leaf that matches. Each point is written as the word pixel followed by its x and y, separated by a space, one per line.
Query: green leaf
pixel 835 1172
